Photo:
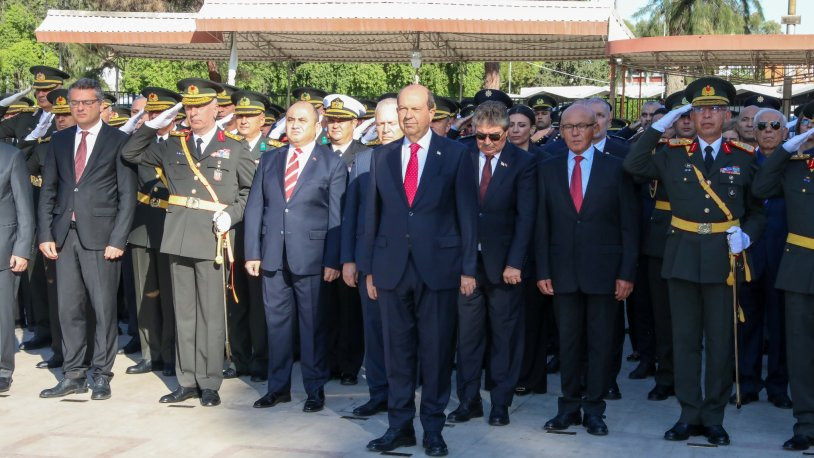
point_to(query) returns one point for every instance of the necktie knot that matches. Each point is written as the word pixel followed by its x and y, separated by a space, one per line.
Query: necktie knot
pixel 578 158
pixel 84 134
pixel 414 147
pixel 708 149
pixel 297 151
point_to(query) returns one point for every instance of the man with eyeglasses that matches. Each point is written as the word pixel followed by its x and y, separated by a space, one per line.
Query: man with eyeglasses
pixel 86 209
pixel 714 219
pixel 762 303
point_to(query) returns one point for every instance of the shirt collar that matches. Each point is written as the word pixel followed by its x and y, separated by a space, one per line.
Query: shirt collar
pixel 423 142
pixel 93 130
pixel 307 149
pixel 716 145
pixel 600 145
pixel 587 156
pixel 207 137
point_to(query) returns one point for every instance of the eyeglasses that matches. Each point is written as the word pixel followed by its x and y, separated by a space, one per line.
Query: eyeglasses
pixel 87 103
pixel 713 109
pixel 805 122
pixel 493 136
pixel 579 127
pixel 762 125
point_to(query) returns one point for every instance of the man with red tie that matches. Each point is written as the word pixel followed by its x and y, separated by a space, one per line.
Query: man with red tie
pixel 420 251
pixel 586 250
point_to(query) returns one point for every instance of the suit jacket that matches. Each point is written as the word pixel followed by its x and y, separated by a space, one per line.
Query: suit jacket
pixel 17 214
pixel 350 153
pixel 438 231
pixel 506 216
pixel 353 210
pixel 103 201
pixel 586 251
pixel 303 234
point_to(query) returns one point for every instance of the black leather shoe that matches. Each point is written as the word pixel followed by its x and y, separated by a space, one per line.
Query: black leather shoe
pixel 613 392
pixel 168 371
pixel 50 364
pixel 210 398
pixel 35 343
pixel 642 371
pixel 660 393
pixel 716 435
pixel 563 421
pixel 315 401
pixel 257 378
pixel 393 439
pixel 553 365
pixel 434 444
pixel 134 346
pixel 271 400
pixel 348 379
pixel 781 402
pixel 142 367
pixel 65 387
pixel 100 389
pixel 466 410
pixel 231 372
pixel 370 408
pixel 746 398
pixel 682 431
pixel 798 443
pixel 521 390
pixel 499 416
pixel 5 384
pixel 180 394
pixel 595 425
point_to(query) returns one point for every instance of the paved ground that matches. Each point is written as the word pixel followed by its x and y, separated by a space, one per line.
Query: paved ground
pixel 132 423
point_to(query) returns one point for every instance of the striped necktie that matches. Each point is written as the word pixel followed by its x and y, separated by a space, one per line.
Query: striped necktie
pixel 292 172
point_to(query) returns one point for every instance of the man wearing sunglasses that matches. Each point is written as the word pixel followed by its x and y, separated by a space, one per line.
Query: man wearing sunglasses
pixel 714 219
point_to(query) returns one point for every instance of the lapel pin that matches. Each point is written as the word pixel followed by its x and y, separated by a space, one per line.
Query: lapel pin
pixel 503 164
pixel 438 153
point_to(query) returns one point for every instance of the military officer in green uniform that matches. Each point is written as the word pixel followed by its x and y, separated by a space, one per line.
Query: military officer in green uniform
pixel 714 218
pixel 151 267
pixel 46 79
pixel 209 173
pixel 543 104
pixel 226 109
pixel 789 173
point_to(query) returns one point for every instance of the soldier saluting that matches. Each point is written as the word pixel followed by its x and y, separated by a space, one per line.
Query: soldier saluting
pixel 209 173
pixel 714 218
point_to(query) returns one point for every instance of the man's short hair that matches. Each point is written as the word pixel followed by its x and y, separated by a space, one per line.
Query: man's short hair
pixel 651 103
pixel 388 103
pixel 595 101
pixel 491 113
pixel 87 83
pixel 765 111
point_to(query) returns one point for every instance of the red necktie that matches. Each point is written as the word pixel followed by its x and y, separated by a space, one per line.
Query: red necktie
pixel 292 172
pixel 485 178
pixel 411 176
pixel 576 183
pixel 81 156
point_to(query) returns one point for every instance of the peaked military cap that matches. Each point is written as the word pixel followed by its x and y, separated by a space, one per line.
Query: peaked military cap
pixel 467 106
pixel 225 96
pixel 541 101
pixel 311 95
pixel 341 106
pixel 198 91
pixel 119 116
pixel 47 77
pixel 485 95
pixel 370 107
pixel 617 124
pixel 24 105
pixel 108 100
pixel 388 95
pixel 445 108
pixel 806 110
pixel 59 101
pixel 762 101
pixel 710 91
pixel 675 100
pixel 159 99
pixel 249 102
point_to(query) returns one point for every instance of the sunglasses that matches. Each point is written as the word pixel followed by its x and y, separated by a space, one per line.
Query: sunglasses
pixel 493 136
pixel 763 125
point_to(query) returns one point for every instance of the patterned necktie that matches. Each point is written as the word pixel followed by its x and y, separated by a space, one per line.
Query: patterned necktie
pixel 81 156
pixel 576 183
pixel 411 176
pixel 485 178
pixel 292 172
pixel 708 159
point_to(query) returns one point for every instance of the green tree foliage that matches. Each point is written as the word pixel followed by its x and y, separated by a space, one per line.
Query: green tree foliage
pixel 699 17
pixel 19 48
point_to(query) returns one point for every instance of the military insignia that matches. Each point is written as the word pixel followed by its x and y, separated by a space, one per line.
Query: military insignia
pixel 263 146
pixel 760 99
pixel 810 164
pixel 745 147
pixel 503 164
pixel 152 97
pixel 688 167
pixel 488 93
pixel 305 96
pixel 799 157
pixel 114 116
pixel 733 170
pixel 40 76
pixel 727 149
pixel 708 91
pixel 337 104
pixel 731 192
pixel 217 175
pixel 61 101
pixel 807 180
pixel 222 153
pixel 192 89
pixel 43 139
pixel 221 136
pixel 244 102
pixel 438 153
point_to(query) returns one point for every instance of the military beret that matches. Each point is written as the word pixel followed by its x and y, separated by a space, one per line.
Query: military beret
pixel 524 110
pixel 159 99
pixel 198 91
pixel 249 102
pixel 541 101
pixel 311 95
pixel 59 101
pixel 342 106
pixel 493 94
pixel 445 108
pixel 710 90
pixel 225 96
pixel 47 77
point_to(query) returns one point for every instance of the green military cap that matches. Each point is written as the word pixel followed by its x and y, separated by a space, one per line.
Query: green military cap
pixel 467 106
pixel 249 102
pixel 159 99
pixel 119 116
pixel 24 105
pixel 225 96
pixel 709 91
pixel 541 101
pixel 198 91
pixel 617 124
pixel 181 115
pixel 485 95
pixel 311 95
pixel 108 100
pixel 675 100
pixel 59 101
pixel 342 106
pixel 445 108
pixel 273 113
pixel 46 77
pixel 388 95
pixel 370 107
pixel 762 101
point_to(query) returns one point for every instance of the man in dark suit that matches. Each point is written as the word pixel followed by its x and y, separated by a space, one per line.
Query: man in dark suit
pixel 420 250
pixel 292 229
pixel 346 344
pixel 85 212
pixel 507 204
pixel 587 246
pixel 16 240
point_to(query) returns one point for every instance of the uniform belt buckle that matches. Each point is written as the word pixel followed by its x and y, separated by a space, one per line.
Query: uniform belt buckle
pixel 155 202
pixel 705 228
pixel 193 202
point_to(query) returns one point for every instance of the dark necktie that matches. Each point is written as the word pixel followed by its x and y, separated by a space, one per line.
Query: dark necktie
pixel 708 159
pixel 160 139
pixel 198 149
pixel 485 178
pixel 576 183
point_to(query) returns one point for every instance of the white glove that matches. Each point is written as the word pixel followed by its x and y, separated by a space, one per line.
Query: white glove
pixel 166 117
pixel 222 221
pixel 794 143
pixel 278 130
pixel 370 135
pixel 667 120
pixel 360 129
pixel 42 127
pixel 737 239
pixel 225 120
pixel 8 101
pixel 130 125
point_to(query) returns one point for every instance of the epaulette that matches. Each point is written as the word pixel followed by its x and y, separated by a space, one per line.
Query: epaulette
pixel 800 157
pixel 274 143
pixel 179 133
pixel 43 139
pixel 234 136
pixel 374 142
pixel 676 142
pixel 743 146
pixel 662 141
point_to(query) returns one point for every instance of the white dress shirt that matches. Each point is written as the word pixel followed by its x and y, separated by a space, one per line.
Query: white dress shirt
pixel 482 164
pixel 302 158
pixel 716 146
pixel 90 140
pixel 600 145
pixel 584 167
pixel 253 143
pixel 207 138
pixel 424 143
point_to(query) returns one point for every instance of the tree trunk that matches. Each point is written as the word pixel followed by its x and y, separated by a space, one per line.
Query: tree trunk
pixel 491 75
pixel 674 84
pixel 214 74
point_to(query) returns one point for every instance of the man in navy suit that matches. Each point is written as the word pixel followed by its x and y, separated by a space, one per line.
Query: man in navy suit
pixel 507 204
pixel 420 250
pixel 292 239
pixel 586 247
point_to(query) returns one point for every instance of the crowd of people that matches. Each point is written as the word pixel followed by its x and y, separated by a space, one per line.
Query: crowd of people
pixel 415 235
